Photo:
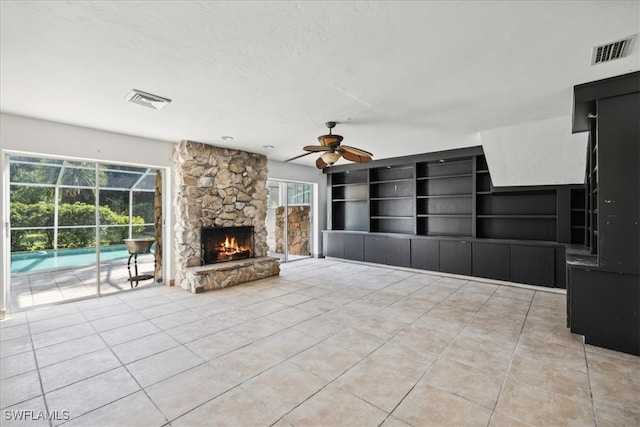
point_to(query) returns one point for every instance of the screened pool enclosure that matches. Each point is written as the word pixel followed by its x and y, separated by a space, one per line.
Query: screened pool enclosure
pixel 68 223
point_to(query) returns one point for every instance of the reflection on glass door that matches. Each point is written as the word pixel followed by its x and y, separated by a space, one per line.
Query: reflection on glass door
pixel 289 221
pixel 130 193
pixel 56 209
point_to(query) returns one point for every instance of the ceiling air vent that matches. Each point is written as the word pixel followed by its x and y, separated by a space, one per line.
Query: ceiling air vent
pixel 147 99
pixel 610 51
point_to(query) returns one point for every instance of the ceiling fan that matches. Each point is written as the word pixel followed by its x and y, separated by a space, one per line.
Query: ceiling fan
pixel 332 150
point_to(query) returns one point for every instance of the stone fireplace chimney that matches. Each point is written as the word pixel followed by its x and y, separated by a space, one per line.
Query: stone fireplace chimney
pixel 218 187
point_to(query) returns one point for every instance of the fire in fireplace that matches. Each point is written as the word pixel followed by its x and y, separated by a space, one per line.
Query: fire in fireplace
pixel 220 244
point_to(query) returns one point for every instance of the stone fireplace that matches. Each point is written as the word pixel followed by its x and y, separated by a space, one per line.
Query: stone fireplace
pixel 218 188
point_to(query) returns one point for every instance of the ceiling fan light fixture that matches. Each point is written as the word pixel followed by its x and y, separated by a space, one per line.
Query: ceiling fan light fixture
pixel 330 158
pixel 329 140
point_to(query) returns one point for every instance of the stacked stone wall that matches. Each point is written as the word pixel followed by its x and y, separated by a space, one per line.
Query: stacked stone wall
pixel 215 187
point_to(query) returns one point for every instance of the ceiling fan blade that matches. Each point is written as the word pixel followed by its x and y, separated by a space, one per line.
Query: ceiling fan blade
pixel 355 157
pixel 297 157
pixel 316 148
pixel 356 151
pixel 320 164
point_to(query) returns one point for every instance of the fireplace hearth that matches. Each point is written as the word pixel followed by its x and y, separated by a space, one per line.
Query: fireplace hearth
pixel 222 244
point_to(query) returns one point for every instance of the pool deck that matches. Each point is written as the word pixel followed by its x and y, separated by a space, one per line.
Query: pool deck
pixel 53 286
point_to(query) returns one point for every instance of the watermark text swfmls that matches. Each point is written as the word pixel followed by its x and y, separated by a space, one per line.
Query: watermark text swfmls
pixel 31 415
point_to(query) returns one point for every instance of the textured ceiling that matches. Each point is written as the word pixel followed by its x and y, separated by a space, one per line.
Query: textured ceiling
pixel 400 77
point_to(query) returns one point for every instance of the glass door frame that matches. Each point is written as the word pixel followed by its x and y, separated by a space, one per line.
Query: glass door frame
pixel 5 237
pixel 284 184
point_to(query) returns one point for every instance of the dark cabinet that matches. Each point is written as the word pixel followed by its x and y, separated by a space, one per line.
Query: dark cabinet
pixel 541 265
pixel 334 245
pixel 618 182
pixel 387 250
pixel 398 252
pixel 425 254
pixel 604 308
pixel 492 260
pixel 354 247
pixel 455 257
pixel 532 265
pixel 374 248
pixel 603 291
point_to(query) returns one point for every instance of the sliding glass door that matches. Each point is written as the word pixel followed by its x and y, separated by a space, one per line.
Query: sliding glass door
pixel 68 223
pixel 289 220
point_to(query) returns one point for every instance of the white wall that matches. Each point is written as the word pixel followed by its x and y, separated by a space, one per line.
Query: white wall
pixel 30 135
pixel 536 153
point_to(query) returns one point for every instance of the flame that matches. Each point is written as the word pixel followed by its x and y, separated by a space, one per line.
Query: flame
pixel 230 246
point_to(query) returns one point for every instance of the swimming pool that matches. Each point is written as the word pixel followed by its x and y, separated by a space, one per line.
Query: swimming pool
pixel 29 262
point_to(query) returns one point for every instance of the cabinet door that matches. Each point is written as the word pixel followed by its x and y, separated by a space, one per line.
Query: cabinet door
pixel 354 247
pixel 334 245
pixel 455 257
pixel 398 252
pixel 533 265
pixel 425 254
pixel 491 260
pixel 606 318
pixel 374 249
pixel 618 176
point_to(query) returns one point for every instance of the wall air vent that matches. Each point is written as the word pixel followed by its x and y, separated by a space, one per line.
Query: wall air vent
pixel 147 99
pixel 610 51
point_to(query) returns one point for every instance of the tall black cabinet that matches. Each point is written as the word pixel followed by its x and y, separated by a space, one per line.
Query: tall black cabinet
pixel 603 291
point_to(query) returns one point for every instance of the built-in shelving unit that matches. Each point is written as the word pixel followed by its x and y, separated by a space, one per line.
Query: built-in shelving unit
pixel 580 225
pixel 444 193
pixel 441 212
pixel 521 215
pixel 592 192
pixel 603 279
pixel 392 199
pixel 350 200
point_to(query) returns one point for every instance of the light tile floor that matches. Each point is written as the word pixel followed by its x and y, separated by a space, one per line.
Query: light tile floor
pixel 58 285
pixel 327 343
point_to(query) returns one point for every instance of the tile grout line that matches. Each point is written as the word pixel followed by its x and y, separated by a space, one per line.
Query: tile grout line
pixel 44 396
pixel 323 340
pixel 593 403
pixel 444 351
pixel 513 353
pixel 126 369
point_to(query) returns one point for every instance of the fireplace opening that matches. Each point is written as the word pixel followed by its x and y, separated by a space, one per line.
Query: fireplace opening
pixel 221 244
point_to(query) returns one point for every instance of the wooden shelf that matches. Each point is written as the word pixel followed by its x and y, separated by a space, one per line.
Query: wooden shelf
pixel 349 200
pixel 446 196
pixel 444 215
pixel 349 185
pixel 391 217
pixel 391 198
pixel 424 178
pixel 387 181
pixel 517 216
